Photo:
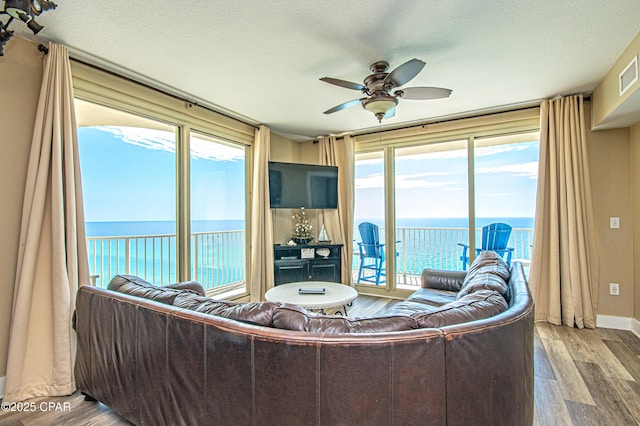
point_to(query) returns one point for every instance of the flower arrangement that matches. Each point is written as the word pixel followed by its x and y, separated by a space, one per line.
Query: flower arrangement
pixel 302 226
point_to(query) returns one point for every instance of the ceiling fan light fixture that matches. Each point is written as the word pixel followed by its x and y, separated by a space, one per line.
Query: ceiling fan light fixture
pixel 34 26
pixel 380 105
pixel 25 11
pixel 5 36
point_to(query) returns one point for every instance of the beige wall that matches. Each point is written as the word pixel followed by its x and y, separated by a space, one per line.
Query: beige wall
pixel 609 157
pixel 606 97
pixel 20 79
pixel 635 188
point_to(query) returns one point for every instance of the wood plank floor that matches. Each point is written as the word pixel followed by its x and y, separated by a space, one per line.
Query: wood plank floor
pixel 582 377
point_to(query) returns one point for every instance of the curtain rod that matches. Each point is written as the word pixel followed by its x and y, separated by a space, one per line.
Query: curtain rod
pixel 587 97
pixel 44 49
pixel 191 103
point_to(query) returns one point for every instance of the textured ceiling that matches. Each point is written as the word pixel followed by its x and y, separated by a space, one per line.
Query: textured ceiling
pixel 260 61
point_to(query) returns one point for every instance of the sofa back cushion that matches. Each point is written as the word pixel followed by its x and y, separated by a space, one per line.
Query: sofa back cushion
pixel 259 313
pixel 292 317
pixel 488 262
pixel 488 271
pixel 471 307
pixel 484 281
pixel 136 286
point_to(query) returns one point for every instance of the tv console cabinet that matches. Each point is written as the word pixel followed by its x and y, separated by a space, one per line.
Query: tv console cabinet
pixel 305 262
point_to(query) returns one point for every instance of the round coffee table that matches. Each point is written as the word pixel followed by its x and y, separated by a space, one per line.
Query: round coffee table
pixel 335 295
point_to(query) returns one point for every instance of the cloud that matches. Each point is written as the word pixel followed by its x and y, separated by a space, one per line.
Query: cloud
pixel 420 180
pixel 371 181
pixel 403 181
pixel 484 151
pixel 529 169
pixel 165 141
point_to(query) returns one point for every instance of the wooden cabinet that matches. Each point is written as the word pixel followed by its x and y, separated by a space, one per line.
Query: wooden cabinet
pixel 307 263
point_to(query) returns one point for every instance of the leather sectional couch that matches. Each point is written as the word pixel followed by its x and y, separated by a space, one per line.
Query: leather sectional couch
pixel 458 351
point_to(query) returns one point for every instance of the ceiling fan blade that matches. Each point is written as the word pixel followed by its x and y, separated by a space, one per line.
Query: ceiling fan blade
pixel 344 106
pixel 344 83
pixel 405 72
pixel 390 114
pixel 423 93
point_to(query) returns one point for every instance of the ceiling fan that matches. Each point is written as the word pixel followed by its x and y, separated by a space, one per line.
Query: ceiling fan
pixel 378 86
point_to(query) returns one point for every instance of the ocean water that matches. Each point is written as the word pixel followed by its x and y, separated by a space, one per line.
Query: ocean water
pixel 219 257
pixel 159 227
pixel 104 229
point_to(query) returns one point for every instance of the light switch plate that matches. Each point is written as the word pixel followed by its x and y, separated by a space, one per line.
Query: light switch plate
pixel 614 222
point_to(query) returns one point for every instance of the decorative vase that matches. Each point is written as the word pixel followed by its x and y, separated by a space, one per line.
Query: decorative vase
pixel 302 240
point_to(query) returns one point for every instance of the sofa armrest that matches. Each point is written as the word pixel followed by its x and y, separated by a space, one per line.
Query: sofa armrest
pixel 187 285
pixel 442 280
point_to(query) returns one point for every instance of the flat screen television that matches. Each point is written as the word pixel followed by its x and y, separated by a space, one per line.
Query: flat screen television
pixel 294 185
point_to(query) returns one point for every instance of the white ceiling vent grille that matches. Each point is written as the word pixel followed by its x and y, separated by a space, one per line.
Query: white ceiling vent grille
pixel 629 75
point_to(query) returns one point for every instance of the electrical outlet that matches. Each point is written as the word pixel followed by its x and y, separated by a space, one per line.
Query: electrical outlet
pixel 614 289
pixel 614 222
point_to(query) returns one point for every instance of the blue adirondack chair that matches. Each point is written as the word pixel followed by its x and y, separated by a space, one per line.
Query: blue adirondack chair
pixel 495 237
pixel 371 254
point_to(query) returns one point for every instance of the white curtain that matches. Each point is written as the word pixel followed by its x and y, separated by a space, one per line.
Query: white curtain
pixel 339 223
pixel 564 268
pixel 261 229
pixel 52 256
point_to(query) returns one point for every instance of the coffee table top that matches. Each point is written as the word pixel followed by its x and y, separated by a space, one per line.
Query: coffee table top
pixel 335 295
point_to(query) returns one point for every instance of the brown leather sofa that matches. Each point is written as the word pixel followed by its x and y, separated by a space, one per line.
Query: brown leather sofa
pixel 458 351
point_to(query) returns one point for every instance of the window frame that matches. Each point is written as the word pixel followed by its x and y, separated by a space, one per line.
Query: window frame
pixel 109 90
pixel 494 125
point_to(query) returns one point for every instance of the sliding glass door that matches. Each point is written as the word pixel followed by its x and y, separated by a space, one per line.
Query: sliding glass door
pixel 369 267
pixel 162 202
pixel 128 168
pixel 218 211
pixel 432 207
pixel 506 176
pixel 436 186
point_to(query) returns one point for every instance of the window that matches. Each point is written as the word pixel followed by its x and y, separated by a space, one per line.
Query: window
pixel 369 201
pixel 448 180
pixel 506 176
pixel 165 185
pixel 432 210
pixel 218 211
pixel 129 189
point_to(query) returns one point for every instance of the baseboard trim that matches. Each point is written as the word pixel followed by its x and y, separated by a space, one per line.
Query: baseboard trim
pixel 610 321
pixel 635 327
pixel 1 387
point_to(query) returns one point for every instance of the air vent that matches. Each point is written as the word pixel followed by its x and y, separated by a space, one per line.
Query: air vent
pixel 629 75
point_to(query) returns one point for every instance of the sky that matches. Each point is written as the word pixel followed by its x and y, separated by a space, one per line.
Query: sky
pixel 435 185
pixel 129 175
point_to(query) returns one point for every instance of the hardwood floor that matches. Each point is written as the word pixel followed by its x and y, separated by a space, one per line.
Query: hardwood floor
pixel 582 377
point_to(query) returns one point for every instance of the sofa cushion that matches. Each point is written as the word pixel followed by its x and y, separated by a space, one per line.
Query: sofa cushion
pixel 484 281
pixel 488 262
pixel 292 317
pixel 193 286
pixel 432 296
pixel 259 313
pixel 409 307
pixel 475 306
pixel 136 286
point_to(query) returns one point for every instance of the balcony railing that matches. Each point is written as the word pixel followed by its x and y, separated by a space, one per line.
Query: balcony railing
pixel 218 258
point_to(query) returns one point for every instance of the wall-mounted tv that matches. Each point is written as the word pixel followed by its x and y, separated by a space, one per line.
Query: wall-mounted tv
pixel 293 185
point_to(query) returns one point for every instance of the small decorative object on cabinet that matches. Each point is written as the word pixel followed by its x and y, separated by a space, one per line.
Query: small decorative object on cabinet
pixel 303 227
pixel 291 266
pixel 323 237
pixel 323 252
